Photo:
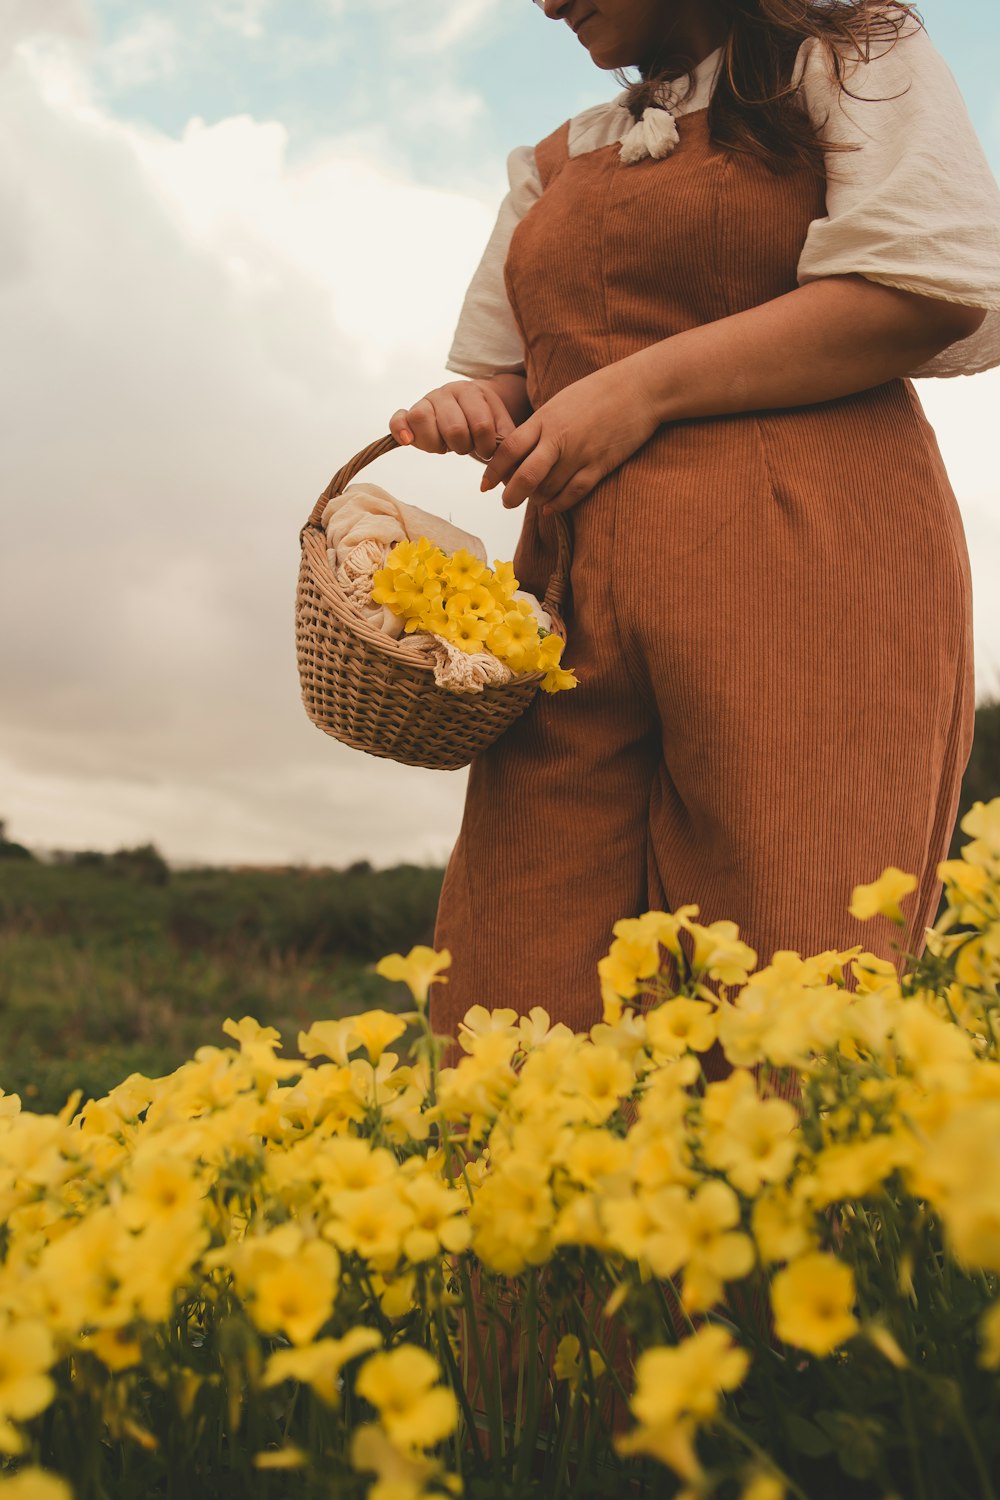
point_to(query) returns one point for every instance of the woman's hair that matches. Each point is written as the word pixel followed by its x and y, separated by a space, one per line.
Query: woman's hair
pixel 754 106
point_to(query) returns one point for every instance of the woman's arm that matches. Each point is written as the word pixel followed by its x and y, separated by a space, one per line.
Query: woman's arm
pixel 464 416
pixel 824 340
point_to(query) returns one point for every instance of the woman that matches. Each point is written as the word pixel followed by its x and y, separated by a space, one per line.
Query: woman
pixel 691 333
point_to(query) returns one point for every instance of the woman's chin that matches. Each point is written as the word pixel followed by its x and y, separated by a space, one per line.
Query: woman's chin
pixel 608 60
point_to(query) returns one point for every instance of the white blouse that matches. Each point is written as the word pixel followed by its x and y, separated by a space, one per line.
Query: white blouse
pixel 915 206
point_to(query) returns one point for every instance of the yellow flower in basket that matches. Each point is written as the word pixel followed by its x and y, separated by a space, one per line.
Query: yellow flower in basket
pixel 473 607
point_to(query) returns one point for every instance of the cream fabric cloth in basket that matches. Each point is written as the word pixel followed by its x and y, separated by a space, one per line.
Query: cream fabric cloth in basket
pixel 362 526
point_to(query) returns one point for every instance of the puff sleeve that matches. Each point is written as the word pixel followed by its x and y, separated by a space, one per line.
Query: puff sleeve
pixel 487 341
pixel 915 204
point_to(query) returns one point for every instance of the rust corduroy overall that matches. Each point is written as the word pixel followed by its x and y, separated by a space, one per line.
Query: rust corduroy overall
pixel 770 618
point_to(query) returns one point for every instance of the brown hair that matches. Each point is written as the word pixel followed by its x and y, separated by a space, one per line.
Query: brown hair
pixel 754 106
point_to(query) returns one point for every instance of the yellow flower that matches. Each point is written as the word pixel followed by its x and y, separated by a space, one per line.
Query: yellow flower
pixel 882 898
pixel 719 953
pixel 713 1248
pixel 635 953
pixel 650 1228
pixel 319 1365
pixel 568 1362
pixel 757 1143
pixel 376 1030
pixel 594 1156
pixel 935 1049
pixel 503 582
pixel 672 1444
pixel 333 1039
pixel 852 1169
pixel 680 1025
pixel 812 1301
pixel 763 1486
pixel 559 680
pixel 415 1411
pixel 968 889
pixel 35 1484
pixel 373 1223
pixel 776 1017
pixel 512 1216
pixel 989 1335
pixel 536 1028
pixel 160 1186
pixel 400 1475
pixel 782 1226
pixel 602 1077
pixel 397 1297
pixel 982 822
pixel 153 1265
pixel 513 638
pixel 479 1023
pixel 438 1219
pixel 421 968
pixel 26 1354
pixel 296 1297
pixel 288 1457
pixel 468 633
pixel 463 570
pixel 116 1348
pixel 348 1164
pixel 257 1047
pixel 687 1380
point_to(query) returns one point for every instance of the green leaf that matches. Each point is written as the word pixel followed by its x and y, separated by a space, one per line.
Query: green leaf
pixel 805 1437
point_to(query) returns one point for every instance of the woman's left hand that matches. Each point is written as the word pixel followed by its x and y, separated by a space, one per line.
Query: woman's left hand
pixel 568 445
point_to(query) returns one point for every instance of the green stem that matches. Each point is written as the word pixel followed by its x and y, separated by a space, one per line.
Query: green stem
pixel 765 1459
pixel 560 1457
pixel 479 1354
pixel 458 1383
pixel 524 1457
pixel 912 1441
pixel 985 1483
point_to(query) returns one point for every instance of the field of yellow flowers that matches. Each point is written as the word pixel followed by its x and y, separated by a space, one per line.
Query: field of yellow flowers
pixel 565 1267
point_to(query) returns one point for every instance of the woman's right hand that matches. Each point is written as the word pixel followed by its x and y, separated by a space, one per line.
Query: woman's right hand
pixel 464 416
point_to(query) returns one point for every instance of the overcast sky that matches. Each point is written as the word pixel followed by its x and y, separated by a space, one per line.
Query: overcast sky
pixel 235 237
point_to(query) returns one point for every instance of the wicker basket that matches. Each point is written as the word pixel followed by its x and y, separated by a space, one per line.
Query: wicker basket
pixel 359 687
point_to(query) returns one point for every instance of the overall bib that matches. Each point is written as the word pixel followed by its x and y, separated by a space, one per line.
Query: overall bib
pixel 770 618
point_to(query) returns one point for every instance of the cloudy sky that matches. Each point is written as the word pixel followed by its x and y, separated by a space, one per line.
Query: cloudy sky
pixel 236 234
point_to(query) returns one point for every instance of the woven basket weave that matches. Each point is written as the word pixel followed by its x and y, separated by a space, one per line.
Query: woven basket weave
pixel 359 687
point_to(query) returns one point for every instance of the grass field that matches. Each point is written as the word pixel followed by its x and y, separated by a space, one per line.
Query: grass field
pixel 102 974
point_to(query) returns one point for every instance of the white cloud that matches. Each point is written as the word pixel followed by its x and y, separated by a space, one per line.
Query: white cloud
pixel 426 26
pixel 20 19
pixel 246 17
pixel 150 50
pixel 340 219
pixel 197 323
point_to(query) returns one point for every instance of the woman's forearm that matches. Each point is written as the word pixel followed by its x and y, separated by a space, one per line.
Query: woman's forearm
pixel 820 342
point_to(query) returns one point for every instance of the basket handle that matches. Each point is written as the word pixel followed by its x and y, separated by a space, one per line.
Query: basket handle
pixel 353 466
pixel 558 585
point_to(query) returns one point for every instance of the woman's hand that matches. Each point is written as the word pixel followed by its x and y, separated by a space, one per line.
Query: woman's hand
pixel 568 445
pixel 464 416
